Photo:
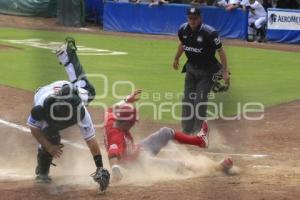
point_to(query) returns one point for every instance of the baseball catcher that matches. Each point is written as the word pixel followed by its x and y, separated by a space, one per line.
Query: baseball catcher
pixel 55 107
pixel 122 149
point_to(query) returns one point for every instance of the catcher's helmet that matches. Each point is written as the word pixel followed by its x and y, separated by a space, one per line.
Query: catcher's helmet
pixel 219 83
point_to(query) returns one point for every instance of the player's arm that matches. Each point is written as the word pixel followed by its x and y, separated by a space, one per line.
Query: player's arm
pixel 133 97
pixel 54 150
pixel 180 49
pixel 179 52
pixel 115 169
pixel 223 59
pixel 101 176
pixel 115 151
pixel 88 132
pixel 36 132
pixel 217 44
pixel 94 148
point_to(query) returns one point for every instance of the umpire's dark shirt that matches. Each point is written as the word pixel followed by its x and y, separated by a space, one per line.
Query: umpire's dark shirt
pixel 200 46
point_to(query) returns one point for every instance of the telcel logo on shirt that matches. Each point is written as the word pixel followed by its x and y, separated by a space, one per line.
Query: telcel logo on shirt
pixel 192 49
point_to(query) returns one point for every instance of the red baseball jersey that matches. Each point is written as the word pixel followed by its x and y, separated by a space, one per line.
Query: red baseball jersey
pixel 118 143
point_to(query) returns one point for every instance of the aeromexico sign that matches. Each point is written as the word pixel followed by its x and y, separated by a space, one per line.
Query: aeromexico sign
pixel 283 19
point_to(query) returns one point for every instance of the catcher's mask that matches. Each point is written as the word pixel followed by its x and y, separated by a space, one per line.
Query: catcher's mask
pixel 219 84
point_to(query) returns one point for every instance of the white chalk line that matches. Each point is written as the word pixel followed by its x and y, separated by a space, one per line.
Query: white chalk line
pixel 27 130
pixel 225 153
pixel 240 154
pixel 80 146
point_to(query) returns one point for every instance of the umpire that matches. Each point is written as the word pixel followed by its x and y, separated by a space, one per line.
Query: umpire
pixel 199 42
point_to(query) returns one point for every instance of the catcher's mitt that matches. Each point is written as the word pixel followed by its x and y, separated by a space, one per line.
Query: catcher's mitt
pixel 219 84
pixel 102 177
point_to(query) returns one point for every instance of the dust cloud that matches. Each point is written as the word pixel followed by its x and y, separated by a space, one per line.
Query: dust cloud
pixel 174 162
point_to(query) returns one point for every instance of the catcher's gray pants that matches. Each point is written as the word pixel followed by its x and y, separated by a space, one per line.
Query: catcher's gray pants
pixel 156 141
pixel 198 84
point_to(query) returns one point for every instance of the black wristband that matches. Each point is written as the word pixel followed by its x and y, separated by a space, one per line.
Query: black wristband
pixel 98 161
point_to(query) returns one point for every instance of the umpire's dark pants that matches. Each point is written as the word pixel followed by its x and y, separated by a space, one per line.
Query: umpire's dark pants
pixel 197 86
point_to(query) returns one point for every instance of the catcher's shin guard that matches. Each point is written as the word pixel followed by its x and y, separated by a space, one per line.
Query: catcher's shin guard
pixel 44 160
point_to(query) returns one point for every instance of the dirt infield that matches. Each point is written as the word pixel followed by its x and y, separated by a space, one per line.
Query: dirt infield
pixel 6 47
pixel 267 151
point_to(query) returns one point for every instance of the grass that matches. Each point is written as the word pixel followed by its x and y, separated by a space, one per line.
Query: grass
pixel 266 76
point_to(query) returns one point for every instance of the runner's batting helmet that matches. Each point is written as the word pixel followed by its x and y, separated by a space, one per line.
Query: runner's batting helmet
pixel 125 112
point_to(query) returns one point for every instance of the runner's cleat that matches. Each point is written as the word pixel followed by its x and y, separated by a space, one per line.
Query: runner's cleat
pixel 204 133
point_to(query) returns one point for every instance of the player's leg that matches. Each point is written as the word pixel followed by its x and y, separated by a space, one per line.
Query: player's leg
pixel 44 159
pixel 188 101
pixel 86 90
pixel 68 57
pixel 260 27
pixel 251 29
pixel 200 140
pixel 203 88
pixel 156 141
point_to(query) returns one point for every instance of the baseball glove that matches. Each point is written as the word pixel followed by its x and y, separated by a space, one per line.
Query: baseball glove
pixel 219 84
pixel 102 177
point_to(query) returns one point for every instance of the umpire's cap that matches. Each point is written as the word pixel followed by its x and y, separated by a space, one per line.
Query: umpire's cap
pixel 193 11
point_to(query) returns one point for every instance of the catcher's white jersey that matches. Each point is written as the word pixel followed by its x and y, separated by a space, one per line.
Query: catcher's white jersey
pixel 43 92
pixel 85 125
